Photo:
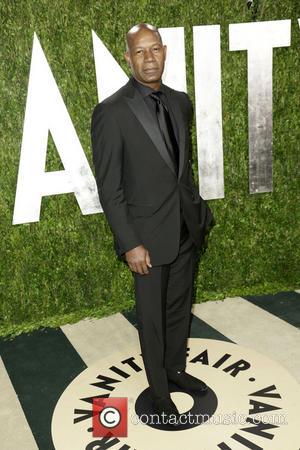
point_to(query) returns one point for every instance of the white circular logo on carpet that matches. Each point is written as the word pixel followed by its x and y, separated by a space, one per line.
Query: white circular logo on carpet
pixel 252 403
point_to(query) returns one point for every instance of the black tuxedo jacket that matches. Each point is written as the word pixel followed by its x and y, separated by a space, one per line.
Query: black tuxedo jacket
pixel 138 188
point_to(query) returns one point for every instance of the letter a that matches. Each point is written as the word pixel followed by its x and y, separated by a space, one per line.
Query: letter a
pixel 46 111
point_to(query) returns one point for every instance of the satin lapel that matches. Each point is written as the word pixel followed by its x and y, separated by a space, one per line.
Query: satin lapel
pixel 179 119
pixel 143 115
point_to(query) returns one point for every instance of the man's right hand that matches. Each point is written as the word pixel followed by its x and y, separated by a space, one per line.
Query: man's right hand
pixel 138 259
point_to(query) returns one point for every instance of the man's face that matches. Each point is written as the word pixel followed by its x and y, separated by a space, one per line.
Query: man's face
pixel 146 56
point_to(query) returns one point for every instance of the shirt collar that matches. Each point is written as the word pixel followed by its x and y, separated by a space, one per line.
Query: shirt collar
pixel 145 90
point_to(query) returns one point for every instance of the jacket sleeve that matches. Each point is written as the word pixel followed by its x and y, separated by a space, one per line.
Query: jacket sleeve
pixel 190 114
pixel 208 218
pixel 107 147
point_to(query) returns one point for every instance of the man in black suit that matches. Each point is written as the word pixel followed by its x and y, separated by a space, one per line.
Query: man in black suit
pixel 141 153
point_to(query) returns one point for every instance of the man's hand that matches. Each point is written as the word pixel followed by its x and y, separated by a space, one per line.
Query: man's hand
pixel 138 259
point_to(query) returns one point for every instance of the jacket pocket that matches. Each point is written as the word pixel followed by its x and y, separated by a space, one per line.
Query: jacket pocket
pixel 141 210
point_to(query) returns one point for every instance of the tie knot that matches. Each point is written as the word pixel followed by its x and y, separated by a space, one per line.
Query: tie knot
pixel 159 100
pixel 156 95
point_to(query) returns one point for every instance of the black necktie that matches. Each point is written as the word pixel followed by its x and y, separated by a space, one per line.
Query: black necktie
pixel 166 128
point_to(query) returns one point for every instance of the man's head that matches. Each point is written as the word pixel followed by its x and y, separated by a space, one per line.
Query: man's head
pixel 146 54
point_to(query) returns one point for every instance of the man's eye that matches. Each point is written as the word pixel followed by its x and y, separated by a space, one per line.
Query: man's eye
pixel 156 49
pixel 138 51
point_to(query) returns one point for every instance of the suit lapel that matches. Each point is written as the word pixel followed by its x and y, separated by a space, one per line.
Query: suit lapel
pixel 139 108
pixel 179 120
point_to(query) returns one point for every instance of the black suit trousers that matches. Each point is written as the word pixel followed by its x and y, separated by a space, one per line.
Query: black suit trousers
pixel 163 306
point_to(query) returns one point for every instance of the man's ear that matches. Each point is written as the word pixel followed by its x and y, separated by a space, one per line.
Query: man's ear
pixel 127 57
pixel 165 51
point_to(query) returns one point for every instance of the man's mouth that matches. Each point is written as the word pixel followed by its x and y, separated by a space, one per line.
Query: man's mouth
pixel 151 69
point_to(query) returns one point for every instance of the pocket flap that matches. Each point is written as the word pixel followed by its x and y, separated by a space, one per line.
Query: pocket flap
pixel 141 210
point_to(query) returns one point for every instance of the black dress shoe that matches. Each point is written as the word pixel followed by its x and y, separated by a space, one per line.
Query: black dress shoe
pixel 187 381
pixel 166 410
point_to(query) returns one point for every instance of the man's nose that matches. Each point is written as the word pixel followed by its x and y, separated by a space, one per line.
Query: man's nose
pixel 148 55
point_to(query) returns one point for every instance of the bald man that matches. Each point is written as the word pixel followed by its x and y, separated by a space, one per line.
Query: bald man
pixel 142 158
